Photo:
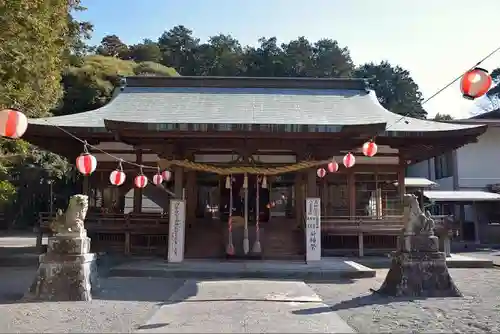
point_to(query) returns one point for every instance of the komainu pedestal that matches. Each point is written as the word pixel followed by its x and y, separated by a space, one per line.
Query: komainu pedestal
pixel 67 272
pixel 418 268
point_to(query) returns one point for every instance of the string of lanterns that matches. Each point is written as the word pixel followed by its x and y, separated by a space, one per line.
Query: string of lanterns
pixel 369 149
pixel 86 164
pixel 474 83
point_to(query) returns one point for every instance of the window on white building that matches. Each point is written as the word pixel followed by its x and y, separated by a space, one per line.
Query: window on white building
pixel 443 165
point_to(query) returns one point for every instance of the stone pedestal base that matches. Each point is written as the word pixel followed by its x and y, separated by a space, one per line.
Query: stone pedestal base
pixel 64 244
pixel 65 277
pixel 420 272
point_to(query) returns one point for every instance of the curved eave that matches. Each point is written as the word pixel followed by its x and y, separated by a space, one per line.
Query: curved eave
pixel 475 130
pixel 54 129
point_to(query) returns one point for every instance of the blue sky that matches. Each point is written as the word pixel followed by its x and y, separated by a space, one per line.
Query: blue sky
pixel 436 40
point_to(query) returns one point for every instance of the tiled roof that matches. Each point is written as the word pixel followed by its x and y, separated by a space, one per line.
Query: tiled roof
pixel 249 105
pixel 418 182
pixel 461 196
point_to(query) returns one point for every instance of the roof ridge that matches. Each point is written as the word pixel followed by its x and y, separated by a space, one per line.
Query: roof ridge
pixel 248 82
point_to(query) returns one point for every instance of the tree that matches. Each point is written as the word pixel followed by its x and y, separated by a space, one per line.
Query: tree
pixel 90 85
pixel 178 48
pixel 299 58
pixel 395 88
pixel 442 117
pixel 492 101
pixel 78 33
pixel 34 40
pixel 221 56
pixel 30 75
pixel 330 60
pixel 267 60
pixel 145 51
pixel 112 46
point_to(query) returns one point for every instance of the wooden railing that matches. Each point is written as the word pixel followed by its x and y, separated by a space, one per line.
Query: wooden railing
pixel 116 221
pixel 134 233
pixel 388 225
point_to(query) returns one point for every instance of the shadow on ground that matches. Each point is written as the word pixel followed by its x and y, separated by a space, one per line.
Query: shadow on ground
pixel 15 282
pixel 367 300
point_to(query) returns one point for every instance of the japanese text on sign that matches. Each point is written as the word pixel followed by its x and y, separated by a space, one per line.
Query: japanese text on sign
pixel 313 229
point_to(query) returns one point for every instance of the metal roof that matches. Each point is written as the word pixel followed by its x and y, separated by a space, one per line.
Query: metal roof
pixel 324 107
pixel 461 196
pixel 418 182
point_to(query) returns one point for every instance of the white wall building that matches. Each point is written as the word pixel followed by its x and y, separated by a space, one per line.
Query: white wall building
pixel 468 180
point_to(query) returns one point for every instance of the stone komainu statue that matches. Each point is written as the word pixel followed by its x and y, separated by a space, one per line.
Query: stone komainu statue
pixel 71 221
pixel 418 221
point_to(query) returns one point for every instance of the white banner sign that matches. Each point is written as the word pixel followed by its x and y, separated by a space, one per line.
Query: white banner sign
pixel 177 227
pixel 313 229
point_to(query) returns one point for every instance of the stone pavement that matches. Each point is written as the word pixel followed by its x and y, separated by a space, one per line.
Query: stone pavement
pixel 244 306
pixel 327 268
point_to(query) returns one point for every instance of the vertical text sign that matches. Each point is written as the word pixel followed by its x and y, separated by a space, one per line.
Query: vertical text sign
pixel 177 226
pixel 313 229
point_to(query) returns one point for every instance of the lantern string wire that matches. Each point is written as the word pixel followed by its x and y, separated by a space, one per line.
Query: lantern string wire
pixel 87 145
pixel 141 167
pixel 439 91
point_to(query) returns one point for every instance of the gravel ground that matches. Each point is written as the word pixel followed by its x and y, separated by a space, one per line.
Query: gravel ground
pixel 122 306
pixel 126 303
pixel 477 312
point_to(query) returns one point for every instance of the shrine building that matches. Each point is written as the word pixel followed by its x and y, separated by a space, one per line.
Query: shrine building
pixel 247 148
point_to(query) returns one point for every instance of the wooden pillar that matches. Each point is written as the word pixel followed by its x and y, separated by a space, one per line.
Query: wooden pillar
pixel 351 189
pixel 461 219
pixel 324 196
pixel 191 196
pixel 86 185
pixel 477 237
pixel 312 189
pixel 138 192
pixel 299 199
pixel 401 179
pixel 178 181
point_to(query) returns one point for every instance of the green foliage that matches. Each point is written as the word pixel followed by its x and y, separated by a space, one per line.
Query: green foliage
pixel 151 68
pixel 112 46
pixel 147 51
pixel 395 88
pixel 7 192
pixel 493 96
pixel 89 85
pixel 442 117
pixel 42 46
pixel 33 39
pixel 36 41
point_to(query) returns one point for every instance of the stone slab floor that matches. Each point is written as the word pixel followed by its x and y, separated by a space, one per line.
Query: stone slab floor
pixel 173 305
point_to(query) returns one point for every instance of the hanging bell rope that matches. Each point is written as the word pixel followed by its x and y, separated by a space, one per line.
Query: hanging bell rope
pixel 230 245
pixel 256 246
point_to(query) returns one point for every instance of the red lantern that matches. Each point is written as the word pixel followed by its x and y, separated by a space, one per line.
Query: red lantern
pixel 157 179
pixel 13 123
pixel 166 175
pixel 475 83
pixel 117 177
pixel 333 167
pixel 86 163
pixel 321 172
pixel 349 160
pixel 141 181
pixel 369 148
